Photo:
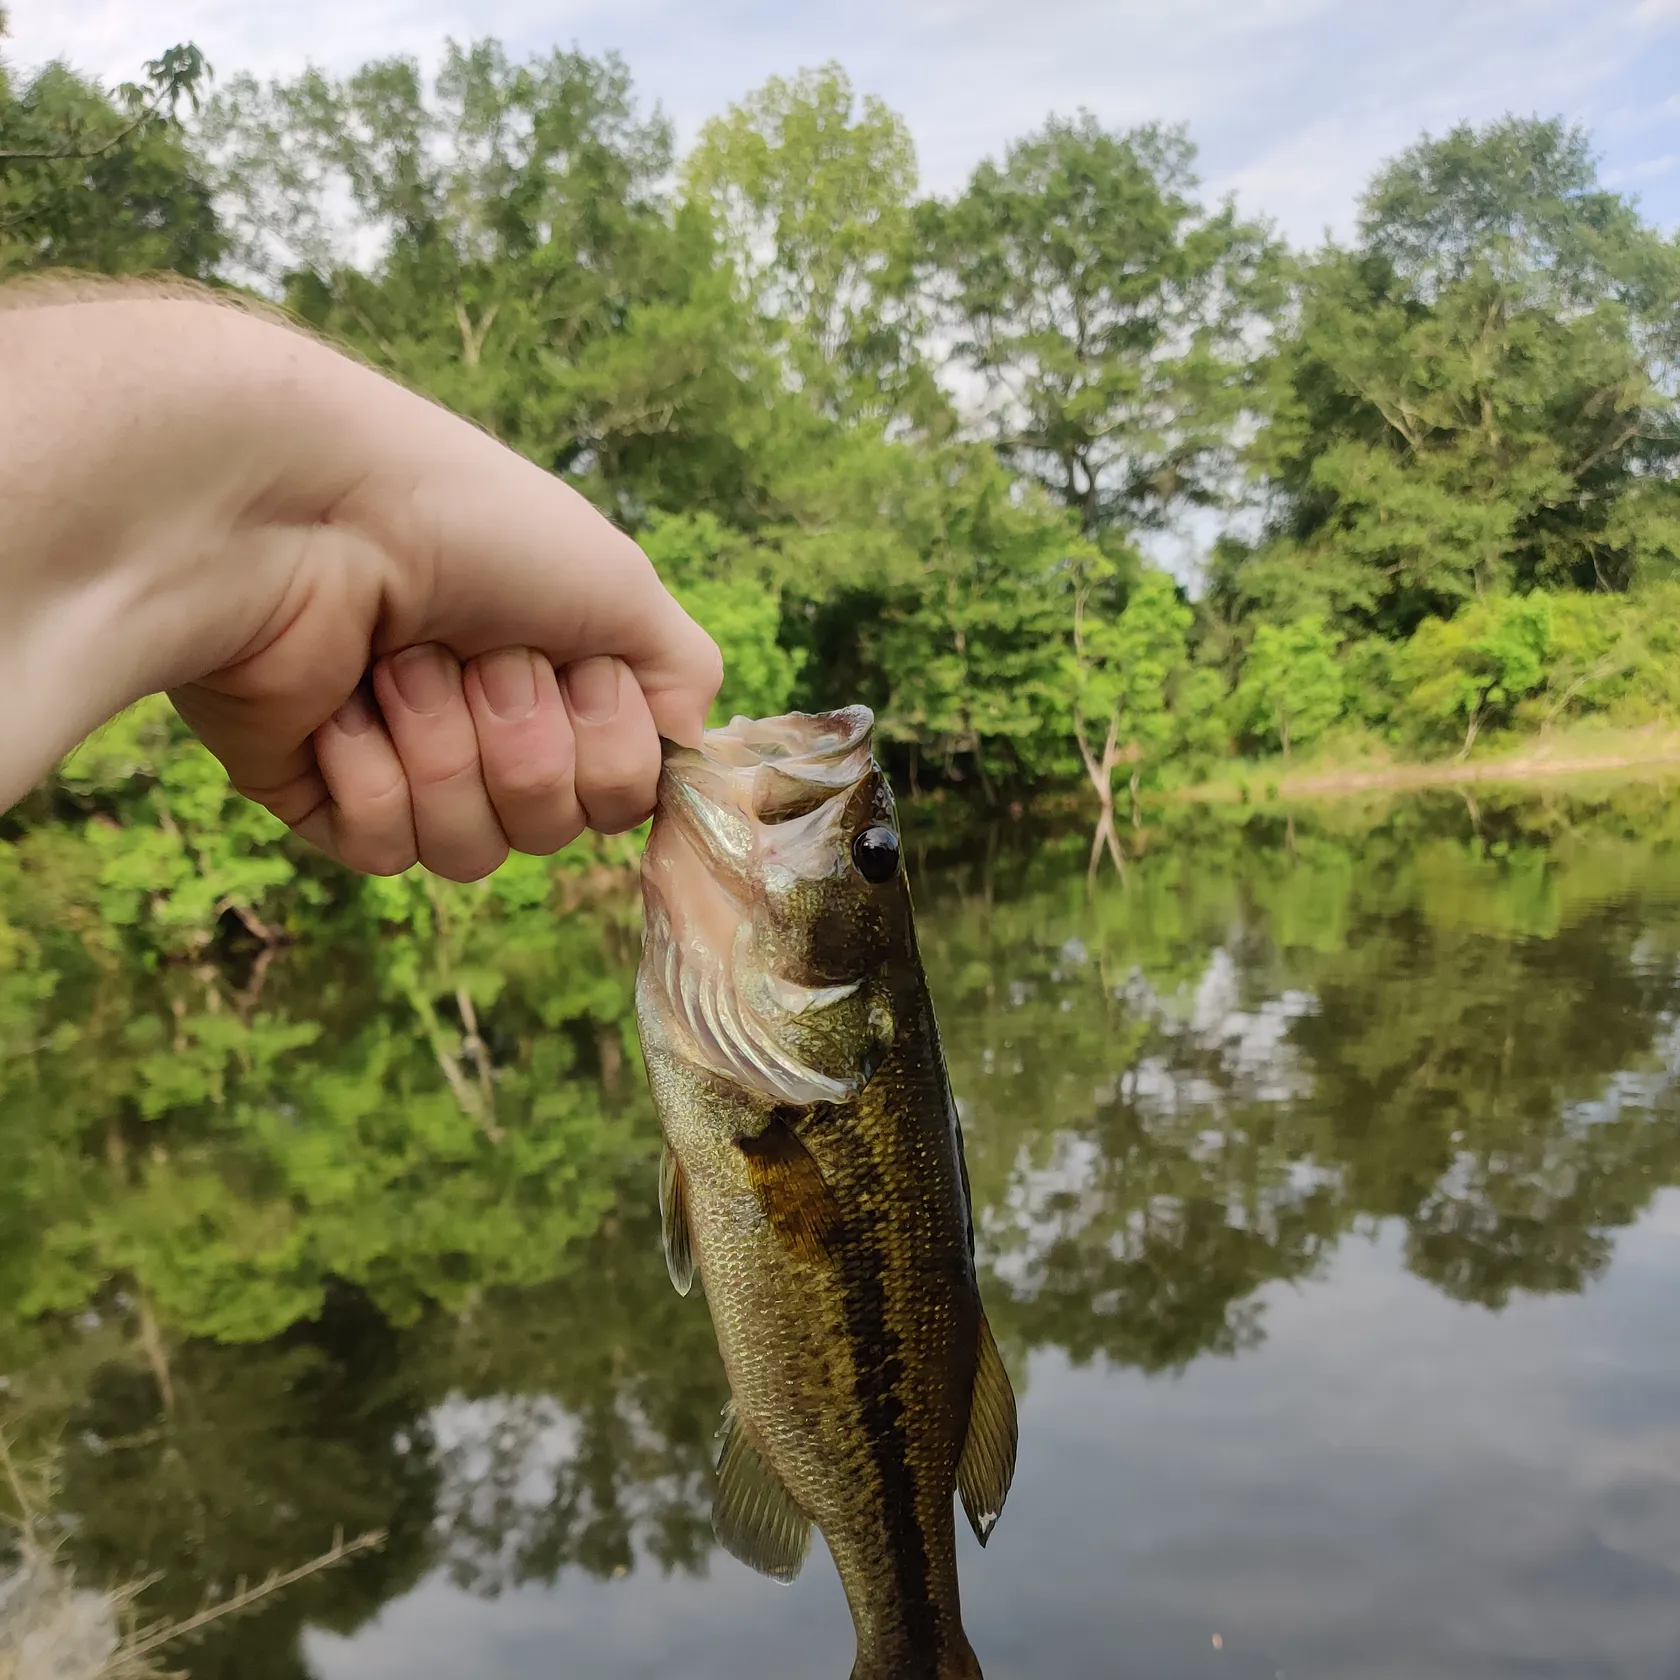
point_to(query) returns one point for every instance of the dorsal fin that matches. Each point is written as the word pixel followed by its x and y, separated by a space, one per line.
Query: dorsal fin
pixel 673 1222
pixel 754 1516
pixel 987 1465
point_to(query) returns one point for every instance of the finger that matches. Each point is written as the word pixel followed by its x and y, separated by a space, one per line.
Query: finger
pixel 525 748
pixel 364 818
pixel 455 828
pixel 617 744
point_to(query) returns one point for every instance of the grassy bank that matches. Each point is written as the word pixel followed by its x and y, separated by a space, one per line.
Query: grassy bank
pixel 1362 762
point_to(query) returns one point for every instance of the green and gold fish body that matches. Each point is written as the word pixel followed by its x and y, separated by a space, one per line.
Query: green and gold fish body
pixel 814 1177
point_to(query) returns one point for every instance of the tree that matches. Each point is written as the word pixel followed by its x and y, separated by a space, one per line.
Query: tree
pixel 1291 689
pixel 100 182
pixel 969 646
pixel 1471 670
pixel 1132 683
pixel 1111 317
pixel 813 192
pixel 530 272
pixel 1478 396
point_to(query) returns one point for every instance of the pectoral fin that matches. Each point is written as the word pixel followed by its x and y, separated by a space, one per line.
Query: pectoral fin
pixel 793 1193
pixel 754 1515
pixel 673 1222
pixel 987 1465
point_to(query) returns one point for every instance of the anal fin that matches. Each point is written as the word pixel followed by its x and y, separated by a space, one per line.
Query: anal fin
pixel 987 1465
pixel 754 1515
pixel 673 1222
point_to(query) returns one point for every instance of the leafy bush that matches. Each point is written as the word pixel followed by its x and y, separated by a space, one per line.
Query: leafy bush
pixel 1292 687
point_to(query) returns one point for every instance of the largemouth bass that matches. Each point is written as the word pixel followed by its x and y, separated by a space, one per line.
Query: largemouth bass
pixel 813 1176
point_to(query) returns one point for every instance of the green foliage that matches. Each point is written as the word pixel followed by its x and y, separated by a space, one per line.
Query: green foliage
pixel 969 647
pixel 109 184
pixel 813 194
pixel 1478 396
pixel 1466 672
pixel 1109 313
pixel 530 274
pixel 1292 687
pixel 726 586
pixel 762 359
pixel 1132 680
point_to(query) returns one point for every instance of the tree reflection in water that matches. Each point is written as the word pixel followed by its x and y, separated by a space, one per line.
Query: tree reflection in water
pixel 373 1244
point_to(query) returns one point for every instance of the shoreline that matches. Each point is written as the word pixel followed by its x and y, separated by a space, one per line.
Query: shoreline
pixel 1271 782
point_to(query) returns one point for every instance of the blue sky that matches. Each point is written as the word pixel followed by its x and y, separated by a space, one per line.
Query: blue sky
pixel 1292 102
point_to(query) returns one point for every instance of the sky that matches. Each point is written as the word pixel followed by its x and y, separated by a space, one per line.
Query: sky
pixel 1293 103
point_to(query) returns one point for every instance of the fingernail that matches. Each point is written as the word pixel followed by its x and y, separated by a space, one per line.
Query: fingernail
pixel 509 677
pixel 355 716
pixel 592 689
pixel 422 676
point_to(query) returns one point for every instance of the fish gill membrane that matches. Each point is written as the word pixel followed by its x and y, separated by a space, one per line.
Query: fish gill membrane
pixel 813 1178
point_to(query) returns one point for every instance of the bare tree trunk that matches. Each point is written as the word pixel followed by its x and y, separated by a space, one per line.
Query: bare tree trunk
pixel 157 1355
pixel 1101 774
pixel 476 1048
pixel 1137 810
pixel 1471 733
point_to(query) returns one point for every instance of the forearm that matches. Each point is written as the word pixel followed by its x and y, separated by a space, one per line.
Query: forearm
pixel 136 453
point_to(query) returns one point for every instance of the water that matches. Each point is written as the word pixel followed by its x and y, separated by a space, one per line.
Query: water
pixel 1326 1177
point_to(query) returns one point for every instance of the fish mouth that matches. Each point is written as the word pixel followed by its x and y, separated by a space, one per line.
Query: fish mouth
pixel 765 793
pixel 760 806
pixel 774 768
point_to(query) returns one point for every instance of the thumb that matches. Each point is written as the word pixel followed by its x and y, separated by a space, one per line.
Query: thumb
pixel 489 551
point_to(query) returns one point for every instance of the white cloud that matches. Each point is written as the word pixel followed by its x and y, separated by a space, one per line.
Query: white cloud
pixel 1294 102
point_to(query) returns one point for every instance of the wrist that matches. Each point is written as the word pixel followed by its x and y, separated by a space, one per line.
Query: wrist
pixel 160 461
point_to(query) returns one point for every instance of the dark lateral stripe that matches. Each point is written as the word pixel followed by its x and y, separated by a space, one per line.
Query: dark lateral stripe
pixel 878 1352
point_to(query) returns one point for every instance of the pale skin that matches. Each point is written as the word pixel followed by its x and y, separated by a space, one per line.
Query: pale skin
pixel 406 641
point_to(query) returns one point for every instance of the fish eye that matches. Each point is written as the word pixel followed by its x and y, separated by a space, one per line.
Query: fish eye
pixel 875 852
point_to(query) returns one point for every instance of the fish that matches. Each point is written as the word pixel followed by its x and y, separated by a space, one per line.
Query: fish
pixel 813 1178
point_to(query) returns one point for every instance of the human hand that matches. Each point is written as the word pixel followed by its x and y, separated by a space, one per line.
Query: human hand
pixel 403 639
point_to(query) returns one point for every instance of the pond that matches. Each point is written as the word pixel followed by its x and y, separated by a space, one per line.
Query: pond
pixel 1327 1182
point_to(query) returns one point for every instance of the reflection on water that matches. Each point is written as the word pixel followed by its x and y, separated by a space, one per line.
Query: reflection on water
pixel 1322 1177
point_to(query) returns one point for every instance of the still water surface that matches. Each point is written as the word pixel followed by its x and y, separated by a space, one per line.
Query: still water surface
pixel 1326 1185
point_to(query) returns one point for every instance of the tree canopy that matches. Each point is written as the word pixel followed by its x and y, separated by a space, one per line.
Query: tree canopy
pixel 916 451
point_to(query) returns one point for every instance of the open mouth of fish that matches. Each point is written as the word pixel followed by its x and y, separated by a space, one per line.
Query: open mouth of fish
pixel 761 807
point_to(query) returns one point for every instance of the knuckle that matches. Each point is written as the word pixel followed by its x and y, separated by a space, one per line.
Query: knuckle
pixel 709 664
pixel 456 772
pixel 533 781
